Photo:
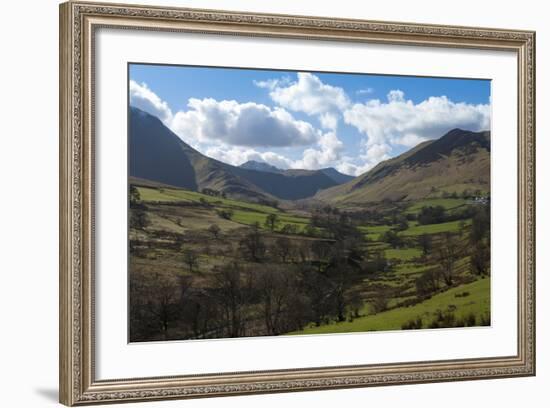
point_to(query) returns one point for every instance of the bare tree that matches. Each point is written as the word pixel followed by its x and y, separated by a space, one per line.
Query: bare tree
pixel 275 286
pixel 319 290
pixel 165 293
pixel 135 196
pixel 340 278
pixel 481 224
pixel 190 258
pixel 214 230
pixel 252 245
pixel 321 251
pixel 153 306
pixel 232 288
pixel 425 242
pixel 448 254
pixel 479 259
pixel 283 248
pixel 185 285
pixel 271 221
pixel 200 312
pixel 427 283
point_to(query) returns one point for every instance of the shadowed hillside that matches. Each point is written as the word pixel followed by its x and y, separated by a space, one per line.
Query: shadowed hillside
pixel 158 154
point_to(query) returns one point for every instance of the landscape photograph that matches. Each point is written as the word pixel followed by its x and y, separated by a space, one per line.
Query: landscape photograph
pixel 269 202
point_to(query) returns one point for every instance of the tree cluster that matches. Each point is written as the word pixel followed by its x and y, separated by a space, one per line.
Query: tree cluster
pixel 272 285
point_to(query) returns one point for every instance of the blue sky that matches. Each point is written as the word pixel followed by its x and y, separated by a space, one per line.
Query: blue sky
pixel 306 120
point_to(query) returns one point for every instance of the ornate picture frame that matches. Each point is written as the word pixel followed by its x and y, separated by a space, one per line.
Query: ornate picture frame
pixel 79 22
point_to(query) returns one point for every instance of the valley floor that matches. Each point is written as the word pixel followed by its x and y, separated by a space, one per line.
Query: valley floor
pixel 205 266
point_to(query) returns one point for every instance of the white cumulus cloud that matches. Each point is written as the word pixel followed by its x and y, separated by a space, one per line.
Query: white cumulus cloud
pixel 309 95
pixel 236 156
pixel 326 153
pixel 329 150
pixel 145 99
pixel 368 157
pixel 242 124
pixel 400 121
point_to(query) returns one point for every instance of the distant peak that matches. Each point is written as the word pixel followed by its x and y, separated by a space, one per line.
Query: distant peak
pixel 259 166
pixel 460 132
pixel 337 176
pixel 262 163
pixel 457 130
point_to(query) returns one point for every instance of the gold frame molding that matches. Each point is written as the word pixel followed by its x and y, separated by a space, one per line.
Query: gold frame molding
pixel 78 22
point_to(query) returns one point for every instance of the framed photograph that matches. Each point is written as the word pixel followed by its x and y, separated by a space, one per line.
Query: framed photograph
pixel 256 203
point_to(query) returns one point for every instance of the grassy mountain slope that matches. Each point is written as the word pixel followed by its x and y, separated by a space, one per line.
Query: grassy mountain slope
pixel 457 161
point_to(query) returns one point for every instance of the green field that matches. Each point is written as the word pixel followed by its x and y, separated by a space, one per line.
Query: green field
pixel 243 212
pixel 477 302
pixel 251 217
pixel 453 226
pixel 178 195
pixel 374 232
pixel 404 254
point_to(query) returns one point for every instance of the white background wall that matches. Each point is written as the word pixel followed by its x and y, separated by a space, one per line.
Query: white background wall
pixel 29 190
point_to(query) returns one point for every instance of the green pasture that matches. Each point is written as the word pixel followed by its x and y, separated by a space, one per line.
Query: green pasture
pixel 243 212
pixel 374 232
pixel 452 226
pixel 176 195
pixel 251 217
pixel 404 254
pixel 477 302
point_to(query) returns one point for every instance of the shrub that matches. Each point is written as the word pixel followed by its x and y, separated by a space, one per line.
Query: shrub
pixel 289 229
pixel 225 214
pixel 485 320
pixel 427 283
pixel 378 264
pixel 431 215
pixel 393 239
pixel 380 302
pixel 139 219
pixel 470 320
pixel 443 319
pixel 413 324
pixel 214 230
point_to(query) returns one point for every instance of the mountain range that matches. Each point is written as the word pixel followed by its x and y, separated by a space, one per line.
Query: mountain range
pixel 457 161
pixel 331 172
pixel 158 154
